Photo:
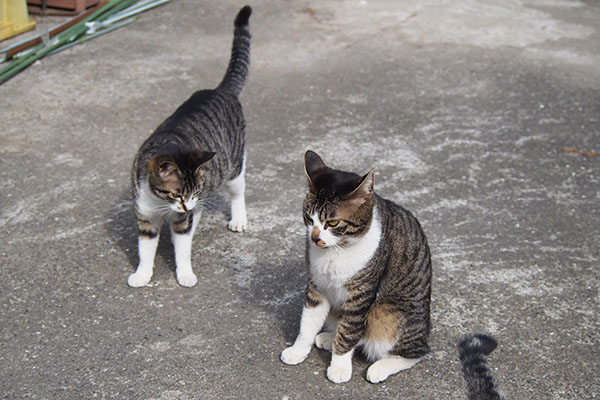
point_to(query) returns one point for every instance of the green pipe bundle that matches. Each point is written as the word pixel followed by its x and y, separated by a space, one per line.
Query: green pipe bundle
pixel 74 35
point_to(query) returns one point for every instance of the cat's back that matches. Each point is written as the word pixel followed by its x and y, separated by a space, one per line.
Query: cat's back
pixel 406 251
pixel 205 111
pixel 210 120
pixel 400 226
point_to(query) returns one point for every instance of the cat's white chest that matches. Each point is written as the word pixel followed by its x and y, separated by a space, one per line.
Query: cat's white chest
pixel 149 205
pixel 331 269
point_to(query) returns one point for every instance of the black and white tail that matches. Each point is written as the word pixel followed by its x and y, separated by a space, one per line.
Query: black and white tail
pixel 472 350
pixel 237 71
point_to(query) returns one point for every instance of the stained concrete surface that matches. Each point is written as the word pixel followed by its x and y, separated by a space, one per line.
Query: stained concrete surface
pixel 462 107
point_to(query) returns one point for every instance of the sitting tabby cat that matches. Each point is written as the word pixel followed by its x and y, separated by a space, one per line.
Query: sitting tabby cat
pixel 192 153
pixel 472 350
pixel 369 274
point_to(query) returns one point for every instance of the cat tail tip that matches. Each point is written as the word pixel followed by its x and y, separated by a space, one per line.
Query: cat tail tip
pixel 243 17
pixel 476 343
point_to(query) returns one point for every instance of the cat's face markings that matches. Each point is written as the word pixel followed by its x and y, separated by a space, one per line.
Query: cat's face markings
pixel 321 233
pixel 179 178
pixel 338 205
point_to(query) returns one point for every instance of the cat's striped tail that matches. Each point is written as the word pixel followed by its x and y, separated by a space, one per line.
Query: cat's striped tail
pixel 472 350
pixel 239 64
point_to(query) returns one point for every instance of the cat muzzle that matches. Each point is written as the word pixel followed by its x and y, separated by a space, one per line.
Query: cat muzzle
pixel 315 237
pixel 318 242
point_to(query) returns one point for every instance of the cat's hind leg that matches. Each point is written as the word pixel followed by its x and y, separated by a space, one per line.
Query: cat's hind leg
pixel 384 334
pixel 380 370
pixel 148 235
pixel 236 188
pixel 182 233
pixel 324 340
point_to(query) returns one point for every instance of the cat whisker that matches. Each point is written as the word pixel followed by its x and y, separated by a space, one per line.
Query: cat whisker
pixel 339 250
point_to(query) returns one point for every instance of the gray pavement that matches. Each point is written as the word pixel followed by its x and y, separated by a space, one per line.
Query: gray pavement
pixel 462 107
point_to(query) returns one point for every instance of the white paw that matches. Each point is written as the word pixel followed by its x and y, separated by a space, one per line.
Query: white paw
pixel 238 225
pixel 187 280
pixel 324 340
pixel 293 356
pixel 138 280
pixel 337 374
pixel 377 373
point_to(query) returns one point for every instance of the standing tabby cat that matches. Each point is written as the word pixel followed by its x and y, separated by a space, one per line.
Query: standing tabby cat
pixel 369 274
pixel 196 150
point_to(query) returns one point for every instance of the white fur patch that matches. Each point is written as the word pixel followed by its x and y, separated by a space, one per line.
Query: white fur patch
pixel 382 369
pixel 332 267
pixel 376 350
pixel 155 208
pixel 236 188
pixel 340 368
pixel 311 323
pixel 149 205
pixel 143 273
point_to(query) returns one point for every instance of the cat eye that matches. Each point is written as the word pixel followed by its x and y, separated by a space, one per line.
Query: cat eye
pixel 333 223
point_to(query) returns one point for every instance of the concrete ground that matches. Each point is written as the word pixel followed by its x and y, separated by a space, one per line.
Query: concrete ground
pixel 463 107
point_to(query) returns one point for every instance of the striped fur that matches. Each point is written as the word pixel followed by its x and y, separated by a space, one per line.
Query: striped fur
pixel 472 350
pixel 196 150
pixel 369 263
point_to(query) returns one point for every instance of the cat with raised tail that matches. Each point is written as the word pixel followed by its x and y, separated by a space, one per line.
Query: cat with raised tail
pixel 472 350
pixel 369 271
pixel 196 150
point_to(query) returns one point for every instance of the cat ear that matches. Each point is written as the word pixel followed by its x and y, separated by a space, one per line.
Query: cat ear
pixel 365 186
pixel 364 189
pixel 312 165
pixel 199 157
pixel 164 167
pixel 166 170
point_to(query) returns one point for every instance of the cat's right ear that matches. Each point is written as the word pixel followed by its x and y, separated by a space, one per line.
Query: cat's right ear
pixel 313 165
pixel 165 168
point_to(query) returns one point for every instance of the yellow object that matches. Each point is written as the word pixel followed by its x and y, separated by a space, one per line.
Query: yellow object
pixel 14 18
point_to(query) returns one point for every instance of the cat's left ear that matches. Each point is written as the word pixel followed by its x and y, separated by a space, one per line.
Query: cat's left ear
pixel 199 158
pixel 364 189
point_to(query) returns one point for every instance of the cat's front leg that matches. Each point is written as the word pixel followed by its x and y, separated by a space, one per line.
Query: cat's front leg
pixel 340 368
pixel 347 336
pixel 182 233
pixel 148 235
pixel 236 188
pixel 342 349
pixel 350 330
pixel 314 313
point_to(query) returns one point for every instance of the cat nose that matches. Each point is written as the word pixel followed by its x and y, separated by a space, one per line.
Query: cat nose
pixel 314 236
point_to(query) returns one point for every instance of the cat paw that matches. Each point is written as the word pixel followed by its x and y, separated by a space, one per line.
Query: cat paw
pixel 377 373
pixel 293 356
pixel 338 374
pixel 138 280
pixel 238 225
pixel 380 370
pixel 187 280
pixel 324 340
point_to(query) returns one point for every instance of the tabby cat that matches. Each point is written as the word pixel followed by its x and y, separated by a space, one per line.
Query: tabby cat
pixel 200 147
pixel 369 270
pixel 472 350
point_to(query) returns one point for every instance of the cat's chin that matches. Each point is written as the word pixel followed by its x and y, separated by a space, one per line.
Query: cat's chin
pixel 180 210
